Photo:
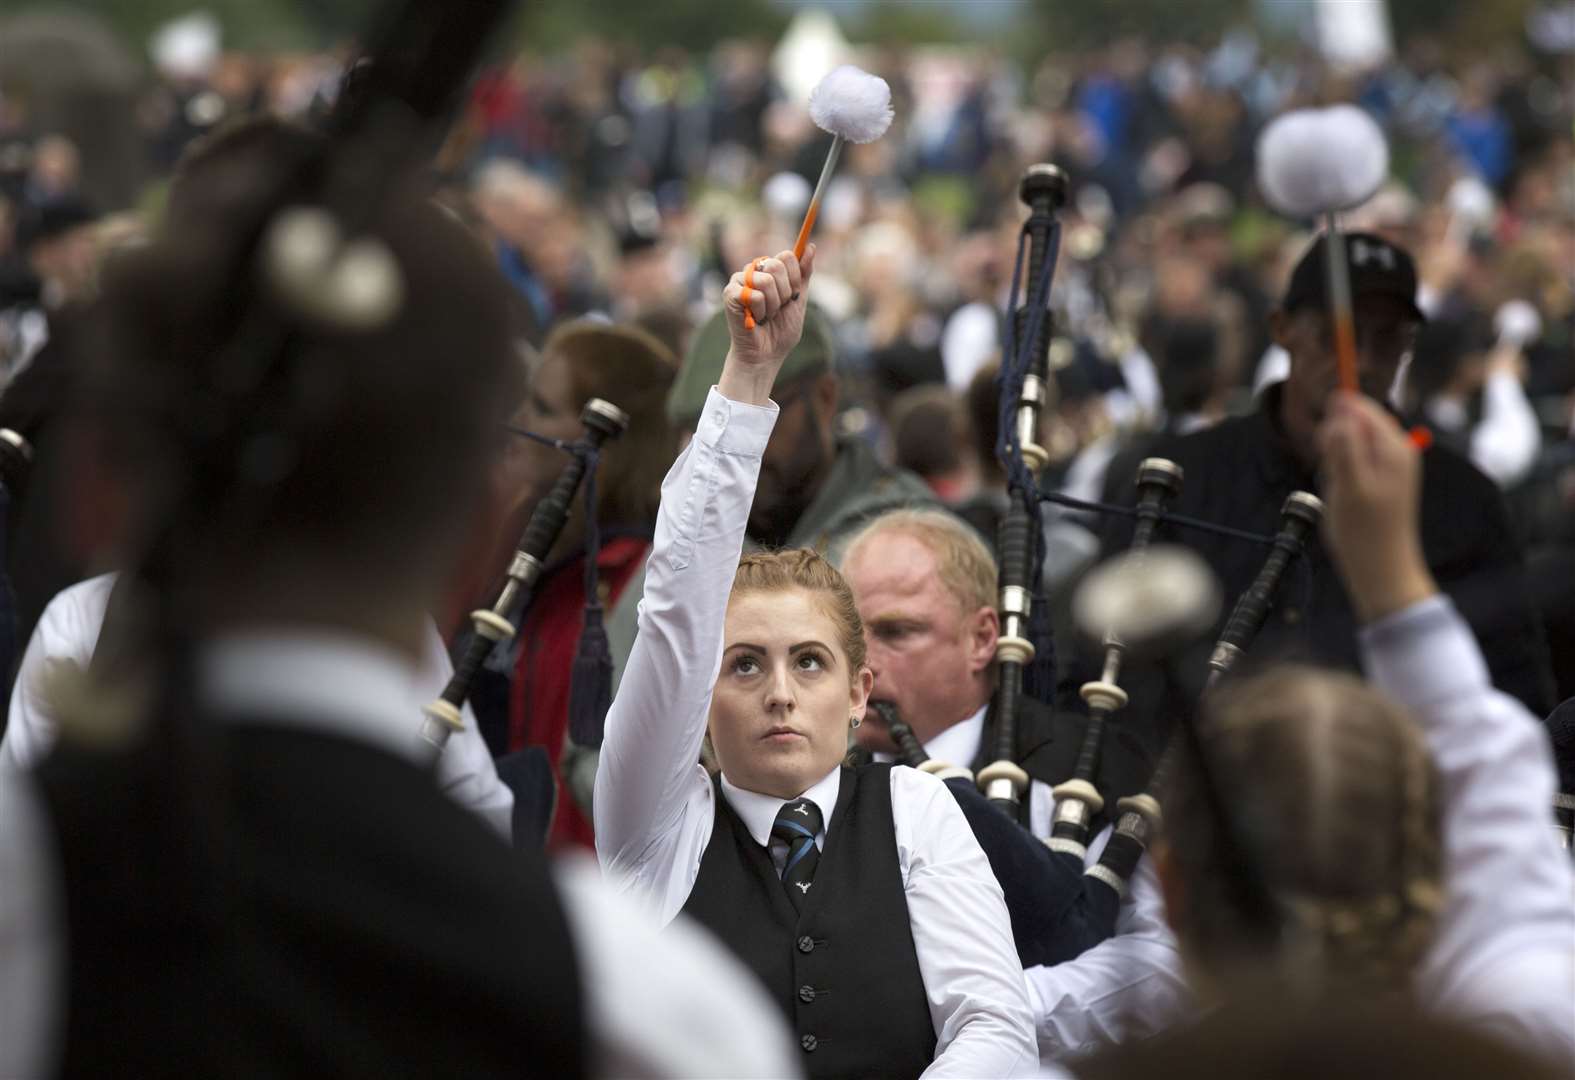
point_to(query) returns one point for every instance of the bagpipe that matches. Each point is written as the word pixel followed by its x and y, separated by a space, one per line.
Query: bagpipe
pixel 602 421
pixel 1150 599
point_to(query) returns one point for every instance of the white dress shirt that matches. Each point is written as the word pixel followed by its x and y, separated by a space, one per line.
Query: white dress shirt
pixel 68 631
pixel 657 1003
pixel 654 809
pixel 1130 986
pixel 1504 953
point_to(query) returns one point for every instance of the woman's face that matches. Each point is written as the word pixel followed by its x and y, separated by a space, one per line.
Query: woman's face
pixel 786 695
pixel 549 409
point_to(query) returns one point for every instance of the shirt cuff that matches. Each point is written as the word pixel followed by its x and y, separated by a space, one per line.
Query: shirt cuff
pixel 732 427
pixel 1423 653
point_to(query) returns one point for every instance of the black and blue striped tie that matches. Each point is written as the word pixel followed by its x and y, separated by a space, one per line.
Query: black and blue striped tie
pixel 797 825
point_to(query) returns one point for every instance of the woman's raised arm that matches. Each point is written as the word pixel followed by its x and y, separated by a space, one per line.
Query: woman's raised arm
pixel 648 778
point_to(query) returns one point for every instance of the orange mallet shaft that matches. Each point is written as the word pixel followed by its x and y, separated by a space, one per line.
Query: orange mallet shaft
pixel 1340 307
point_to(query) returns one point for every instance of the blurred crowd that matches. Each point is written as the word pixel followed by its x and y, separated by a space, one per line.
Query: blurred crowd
pixel 626 185
pixel 245 453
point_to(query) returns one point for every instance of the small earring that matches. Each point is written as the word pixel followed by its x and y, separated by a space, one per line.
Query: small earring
pixel 855 719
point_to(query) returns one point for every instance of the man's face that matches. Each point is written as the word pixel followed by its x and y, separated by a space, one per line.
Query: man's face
pixel 794 464
pixel 1385 330
pixel 927 653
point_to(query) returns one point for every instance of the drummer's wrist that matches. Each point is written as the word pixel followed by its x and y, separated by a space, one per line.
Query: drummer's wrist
pixel 748 383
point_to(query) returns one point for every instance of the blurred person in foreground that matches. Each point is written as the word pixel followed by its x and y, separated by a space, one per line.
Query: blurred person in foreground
pixel 1384 841
pixel 1265 1039
pixel 1238 473
pixel 260 874
pixel 209 185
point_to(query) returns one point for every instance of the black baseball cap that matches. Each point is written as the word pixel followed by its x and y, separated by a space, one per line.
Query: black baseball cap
pixel 1377 268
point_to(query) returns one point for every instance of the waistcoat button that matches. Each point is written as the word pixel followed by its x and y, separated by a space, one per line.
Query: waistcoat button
pixel 809 1042
pixel 806 993
pixel 806 944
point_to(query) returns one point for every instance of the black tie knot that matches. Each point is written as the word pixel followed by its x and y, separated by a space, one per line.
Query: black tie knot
pixel 797 820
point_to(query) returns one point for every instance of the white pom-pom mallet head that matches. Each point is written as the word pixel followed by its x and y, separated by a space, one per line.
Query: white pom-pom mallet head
pixel 1314 161
pixel 854 106
pixel 1321 161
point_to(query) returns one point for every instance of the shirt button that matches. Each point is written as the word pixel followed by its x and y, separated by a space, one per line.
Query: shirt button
pixel 806 993
pixel 806 944
pixel 809 1042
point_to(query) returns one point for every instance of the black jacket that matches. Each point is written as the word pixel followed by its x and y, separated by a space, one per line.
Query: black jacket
pixel 311 907
pixel 1238 473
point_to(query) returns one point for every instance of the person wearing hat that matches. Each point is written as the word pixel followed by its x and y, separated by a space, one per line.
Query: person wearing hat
pixel 1239 472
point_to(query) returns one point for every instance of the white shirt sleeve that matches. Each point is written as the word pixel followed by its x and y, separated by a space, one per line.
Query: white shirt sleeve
pixel 1129 986
pixel 32 950
pixel 962 936
pixel 465 770
pixel 1505 442
pixel 66 631
pixel 1504 954
pixel 666 1001
pixel 652 805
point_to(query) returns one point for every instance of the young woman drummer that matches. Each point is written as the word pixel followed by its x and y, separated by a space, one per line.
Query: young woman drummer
pixel 860 897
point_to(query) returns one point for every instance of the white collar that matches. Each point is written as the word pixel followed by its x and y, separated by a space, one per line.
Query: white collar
pixel 318 680
pixel 959 744
pixel 956 745
pixel 759 812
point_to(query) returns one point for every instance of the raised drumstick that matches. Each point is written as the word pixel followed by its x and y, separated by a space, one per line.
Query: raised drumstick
pixel 853 106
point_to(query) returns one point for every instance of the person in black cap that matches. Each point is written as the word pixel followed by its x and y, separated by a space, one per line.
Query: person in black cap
pixel 1239 472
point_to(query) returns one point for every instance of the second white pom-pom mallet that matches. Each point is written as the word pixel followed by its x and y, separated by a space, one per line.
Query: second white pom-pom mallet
pixel 1317 162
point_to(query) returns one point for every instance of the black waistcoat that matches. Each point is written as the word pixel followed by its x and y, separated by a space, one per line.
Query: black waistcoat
pixel 355 922
pixel 845 971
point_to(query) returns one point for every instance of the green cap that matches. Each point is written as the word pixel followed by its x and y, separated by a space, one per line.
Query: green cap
pixel 815 354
